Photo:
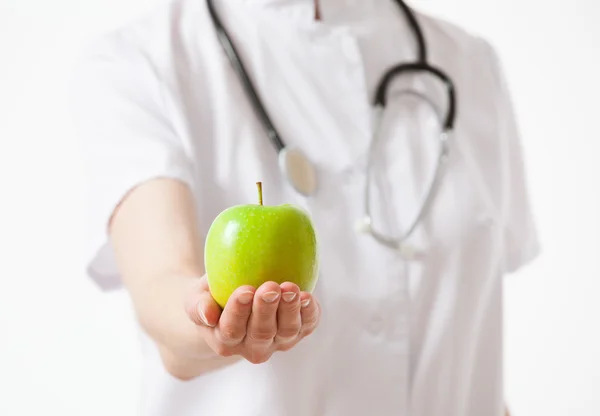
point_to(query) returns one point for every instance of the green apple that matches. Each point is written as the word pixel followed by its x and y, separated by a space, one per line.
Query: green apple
pixel 254 243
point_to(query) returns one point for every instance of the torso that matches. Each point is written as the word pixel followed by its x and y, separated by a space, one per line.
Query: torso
pixel 397 338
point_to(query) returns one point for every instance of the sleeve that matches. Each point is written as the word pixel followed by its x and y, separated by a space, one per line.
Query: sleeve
pixel 119 114
pixel 521 243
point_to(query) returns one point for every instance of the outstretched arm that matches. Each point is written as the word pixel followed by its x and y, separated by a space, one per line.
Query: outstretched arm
pixel 160 256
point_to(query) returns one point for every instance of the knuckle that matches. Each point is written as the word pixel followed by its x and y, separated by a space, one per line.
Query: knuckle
pixel 222 350
pixel 229 334
pixel 308 331
pixel 194 315
pixel 310 320
pixel 265 314
pixel 291 308
pixel 261 334
pixel 239 314
pixel 288 331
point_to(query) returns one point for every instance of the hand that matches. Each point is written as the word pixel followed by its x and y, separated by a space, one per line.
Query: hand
pixel 255 323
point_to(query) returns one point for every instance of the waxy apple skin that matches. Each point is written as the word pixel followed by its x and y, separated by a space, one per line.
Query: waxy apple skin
pixel 254 244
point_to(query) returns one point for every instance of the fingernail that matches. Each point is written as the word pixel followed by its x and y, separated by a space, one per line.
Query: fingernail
pixel 203 318
pixel 305 303
pixel 289 296
pixel 270 297
pixel 245 298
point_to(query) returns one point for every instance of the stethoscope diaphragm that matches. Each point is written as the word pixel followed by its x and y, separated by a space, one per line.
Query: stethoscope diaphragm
pixel 298 170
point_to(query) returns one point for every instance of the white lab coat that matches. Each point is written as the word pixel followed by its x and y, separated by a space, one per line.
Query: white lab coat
pixel 158 98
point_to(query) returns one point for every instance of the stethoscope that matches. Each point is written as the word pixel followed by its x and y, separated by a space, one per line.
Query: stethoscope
pixel 298 170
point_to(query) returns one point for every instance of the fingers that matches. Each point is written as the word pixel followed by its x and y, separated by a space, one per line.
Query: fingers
pixel 310 312
pixel 254 323
pixel 262 326
pixel 288 316
pixel 231 329
pixel 200 306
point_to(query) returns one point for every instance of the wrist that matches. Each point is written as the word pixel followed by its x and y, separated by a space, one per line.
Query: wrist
pixel 159 306
pixel 182 348
pixel 185 368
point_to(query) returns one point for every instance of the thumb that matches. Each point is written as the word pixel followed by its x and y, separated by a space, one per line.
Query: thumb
pixel 200 306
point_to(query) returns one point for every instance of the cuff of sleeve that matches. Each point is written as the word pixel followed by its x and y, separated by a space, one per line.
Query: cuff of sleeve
pixel 515 261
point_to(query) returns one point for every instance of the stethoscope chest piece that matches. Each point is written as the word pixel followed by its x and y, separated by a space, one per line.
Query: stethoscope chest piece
pixel 298 170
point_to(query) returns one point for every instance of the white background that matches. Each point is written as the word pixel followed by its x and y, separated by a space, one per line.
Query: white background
pixel 66 349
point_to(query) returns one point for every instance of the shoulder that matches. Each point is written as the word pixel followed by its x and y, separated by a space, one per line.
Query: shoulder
pixel 452 37
pixel 473 60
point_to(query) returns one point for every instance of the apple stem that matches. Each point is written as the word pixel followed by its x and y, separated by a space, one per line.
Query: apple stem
pixel 260 194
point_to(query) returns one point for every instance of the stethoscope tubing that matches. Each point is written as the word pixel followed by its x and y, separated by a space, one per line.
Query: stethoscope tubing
pixel 242 73
pixel 421 65
pixel 379 101
pixel 391 74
